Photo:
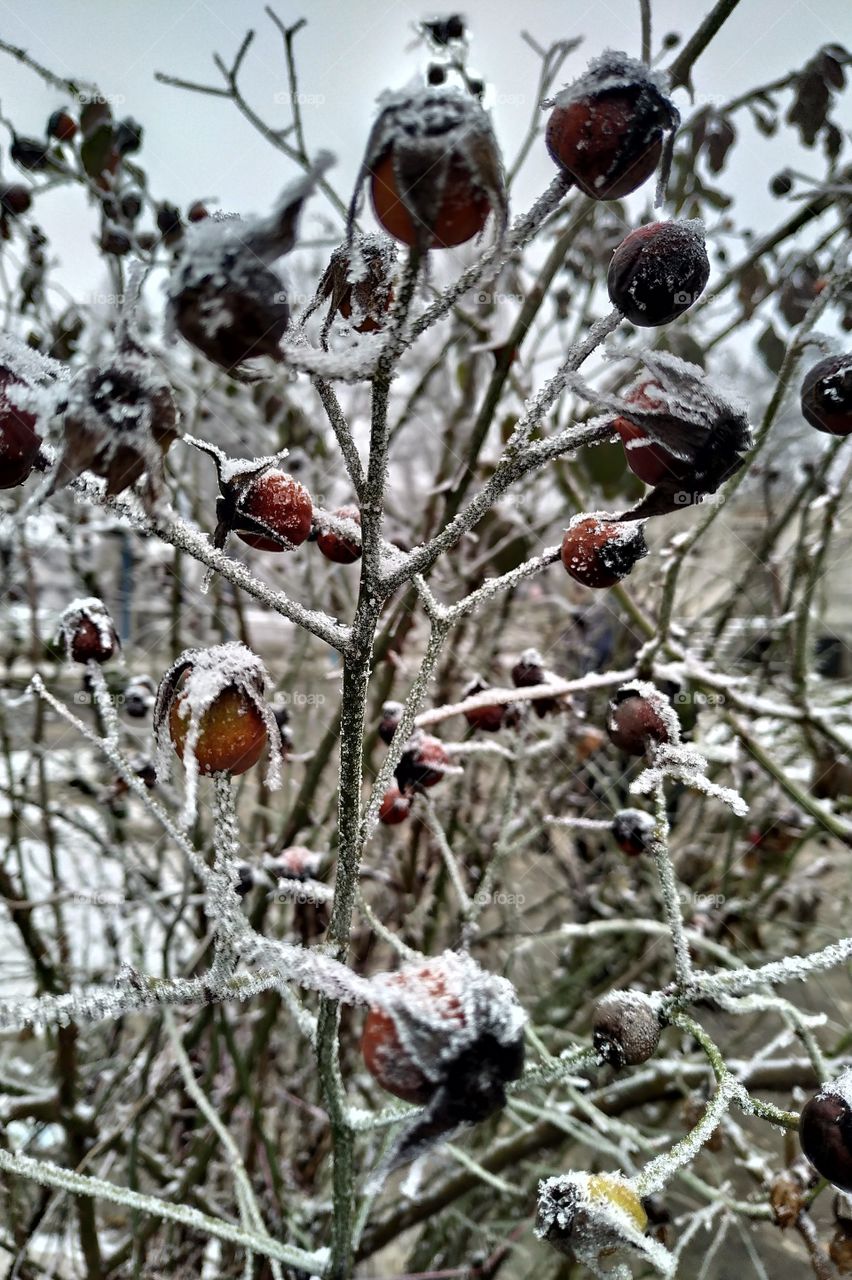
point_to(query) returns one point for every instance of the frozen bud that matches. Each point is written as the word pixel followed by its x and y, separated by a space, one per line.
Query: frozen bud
pixel 391 715
pixel 639 717
pixel 488 718
pixel 598 551
pixel 632 830
pixel 434 168
pixel 606 129
pixel 825 1131
pixel 826 395
pixel 626 1028
pixel 658 272
pixel 118 421
pixel 86 631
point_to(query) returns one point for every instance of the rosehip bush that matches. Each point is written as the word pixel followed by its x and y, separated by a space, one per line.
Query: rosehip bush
pixel 426 734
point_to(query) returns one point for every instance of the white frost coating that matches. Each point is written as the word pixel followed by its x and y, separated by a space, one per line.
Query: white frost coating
pixel 207 673
pixel 685 764
pixel 660 703
pixel 611 71
pixel 841 1087
pixel 30 366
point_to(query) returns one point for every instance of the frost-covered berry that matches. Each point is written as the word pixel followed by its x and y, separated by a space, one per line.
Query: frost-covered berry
pixel 606 129
pixel 224 296
pixel 15 199
pixel 598 551
pixel 273 512
pixel 197 211
pixel 658 272
pixel 139 697
pixel 335 546
pixel 62 126
pixel 358 282
pixel 590 1215
pixel 30 154
pixel 444 1032
pixel 86 631
pixel 826 395
pixel 625 1028
pixel 651 462
pixel 529 670
pixel 395 807
pixel 639 716
pixel 632 830
pixel 127 136
pixel 119 419
pixel 825 1131
pixel 423 763
pixel 20 443
pixel 489 718
pixel 296 863
pixel 212 709
pixel 434 168
pixel 391 715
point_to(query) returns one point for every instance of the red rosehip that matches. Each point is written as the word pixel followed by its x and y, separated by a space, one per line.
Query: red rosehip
pixel 606 130
pixel 424 763
pixel 19 441
pixel 651 462
pixel 638 716
pixel 395 807
pixel 825 1131
pixel 529 671
pixel 335 546
pixel 434 168
pixel 658 272
pixel 598 552
pixel 232 732
pixel 15 199
pixel 197 212
pixel 489 718
pixel 279 502
pixel 384 1056
pixel 62 126
pixel 632 830
pixel 826 395
pixel 87 631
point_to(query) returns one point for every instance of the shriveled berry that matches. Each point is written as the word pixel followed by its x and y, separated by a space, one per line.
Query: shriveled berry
pixel 632 830
pixel 658 272
pixel 395 807
pixel 625 1028
pixel 640 716
pixel 606 130
pixel 488 718
pixel 528 671
pixel 232 733
pixel 281 504
pixel 62 126
pixel 826 395
pixel 825 1131
pixel 336 547
pixel 15 199
pixel 598 552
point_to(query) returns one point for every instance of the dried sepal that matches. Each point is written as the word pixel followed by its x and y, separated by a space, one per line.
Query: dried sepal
pixel 591 1216
pixel 358 283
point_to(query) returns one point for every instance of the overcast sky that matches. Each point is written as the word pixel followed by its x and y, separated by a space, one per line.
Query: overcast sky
pixel 351 50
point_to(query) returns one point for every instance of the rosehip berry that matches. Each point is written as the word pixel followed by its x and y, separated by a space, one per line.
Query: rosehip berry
pixel 15 199
pixel 424 763
pixel 632 830
pixel 197 212
pixel 19 441
pixel 30 154
pixel 395 807
pixel 139 697
pixel 128 136
pixel 658 272
pixel 489 718
pixel 384 1056
pixel 434 168
pixel 87 632
pixel 131 204
pixel 583 1209
pixel 391 714
pixel 639 716
pixel 651 462
pixel 232 733
pixel 335 546
pixel 529 671
pixel 436 74
pixel 625 1028
pixel 826 396
pixel 280 503
pixel 825 1131
pixel 62 126
pixel 606 130
pixel 598 552
pixel 115 240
